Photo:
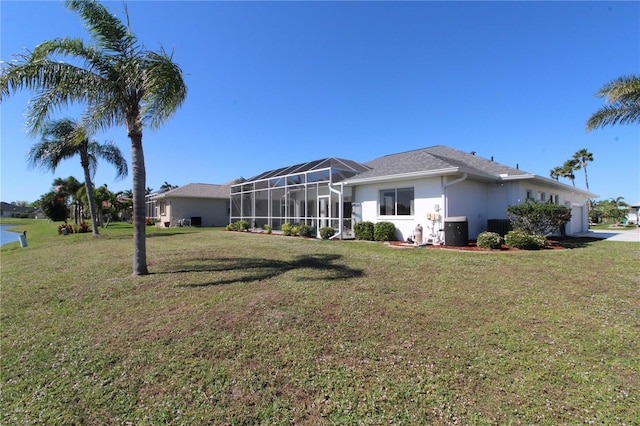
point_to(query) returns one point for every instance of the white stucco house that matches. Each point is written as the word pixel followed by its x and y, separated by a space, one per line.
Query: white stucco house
pixel 195 204
pixel 430 187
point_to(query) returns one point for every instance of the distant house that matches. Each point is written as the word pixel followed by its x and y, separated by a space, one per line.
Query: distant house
pixel 195 204
pixel 633 217
pixel 12 210
pixel 427 187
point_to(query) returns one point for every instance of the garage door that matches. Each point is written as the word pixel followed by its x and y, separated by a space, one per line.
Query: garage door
pixel 576 220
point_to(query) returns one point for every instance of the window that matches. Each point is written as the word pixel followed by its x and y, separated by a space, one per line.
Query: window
pixel 396 202
pixel 162 207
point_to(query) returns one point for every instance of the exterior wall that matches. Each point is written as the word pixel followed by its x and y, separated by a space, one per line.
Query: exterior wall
pixel 427 195
pixel 214 212
pixel 477 201
pixel 470 199
pixel 576 202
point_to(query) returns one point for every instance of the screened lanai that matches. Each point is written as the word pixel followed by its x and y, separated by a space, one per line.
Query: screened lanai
pixel 308 193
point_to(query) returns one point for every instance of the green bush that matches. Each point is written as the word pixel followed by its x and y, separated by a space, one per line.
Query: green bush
pixel 539 218
pixel 305 231
pixel 363 231
pixel 384 231
pixel 327 232
pixel 267 228
pixel 522 240
pixel 241 225
pixel 491 240
pixel 287 229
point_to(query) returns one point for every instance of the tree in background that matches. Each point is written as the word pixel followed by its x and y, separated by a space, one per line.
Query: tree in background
pixel 555 173
pixel 567 170
pixel 614 209
pixel 55 203
pixel 168 186
pixel 623 98
pixel 582 157
pixel 64 139
pixel 119 81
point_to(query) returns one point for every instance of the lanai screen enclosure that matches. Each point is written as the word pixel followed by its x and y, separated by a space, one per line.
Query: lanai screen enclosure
pixel 308 193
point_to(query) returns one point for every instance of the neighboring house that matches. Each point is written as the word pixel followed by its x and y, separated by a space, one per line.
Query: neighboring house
pixel 408 189
pixel 195 204
pixel 633 217
pixel 11 210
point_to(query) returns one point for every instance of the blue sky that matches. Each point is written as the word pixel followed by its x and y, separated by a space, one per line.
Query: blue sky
pixel 278 83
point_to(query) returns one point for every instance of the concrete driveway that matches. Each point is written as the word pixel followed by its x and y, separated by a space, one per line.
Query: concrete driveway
pixel 632 235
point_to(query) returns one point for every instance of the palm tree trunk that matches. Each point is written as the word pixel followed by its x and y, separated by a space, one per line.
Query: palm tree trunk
pixel 139 206
pixel 586 178
pixel 84 160
pixel 586 181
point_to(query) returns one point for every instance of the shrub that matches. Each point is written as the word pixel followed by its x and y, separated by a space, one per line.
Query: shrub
pixel 65 228
pixel 363 231
pixel 384 231
pixel 305 231
pixel 267 228
pixel 241 225
pixel 520 239
pixel 287 229
pixel 82 228
pixel 150 221
pixel 327 232
pixel 537 218
pixel 491 240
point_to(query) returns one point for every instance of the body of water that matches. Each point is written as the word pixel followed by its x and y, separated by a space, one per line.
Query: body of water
pixel 7 237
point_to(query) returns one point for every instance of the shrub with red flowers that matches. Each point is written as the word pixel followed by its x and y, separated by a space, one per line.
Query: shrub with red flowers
pixel 65 229
pixel 82 228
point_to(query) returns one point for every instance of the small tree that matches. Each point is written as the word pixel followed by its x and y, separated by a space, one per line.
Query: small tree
pixel 539 218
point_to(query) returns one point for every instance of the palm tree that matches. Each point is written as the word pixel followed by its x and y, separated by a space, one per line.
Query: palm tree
pixel 63 139
pixel 555 173
pixel 120 82
pixel 582 157
pixel 623 97
pixel 567 169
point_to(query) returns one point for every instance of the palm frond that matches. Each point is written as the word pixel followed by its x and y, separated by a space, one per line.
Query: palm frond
pixel 614 114
pixel 106 29
pixel 112 154
pixel 165 89
pixel 623 89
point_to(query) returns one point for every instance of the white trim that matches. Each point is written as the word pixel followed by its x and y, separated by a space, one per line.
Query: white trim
pixel 403 176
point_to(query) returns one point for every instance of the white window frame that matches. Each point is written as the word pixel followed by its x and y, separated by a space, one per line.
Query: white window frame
pixel 395 201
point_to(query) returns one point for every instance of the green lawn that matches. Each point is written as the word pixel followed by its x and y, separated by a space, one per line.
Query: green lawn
pixel 244 329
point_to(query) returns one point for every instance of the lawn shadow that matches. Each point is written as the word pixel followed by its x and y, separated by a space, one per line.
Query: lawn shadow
pixel 245 270
pixel 576 242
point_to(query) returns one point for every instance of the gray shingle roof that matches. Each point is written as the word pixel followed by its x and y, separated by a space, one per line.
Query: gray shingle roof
pixel 433 159
pixel 198 190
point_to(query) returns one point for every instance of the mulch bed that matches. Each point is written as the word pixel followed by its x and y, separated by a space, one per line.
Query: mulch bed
pixel 554 243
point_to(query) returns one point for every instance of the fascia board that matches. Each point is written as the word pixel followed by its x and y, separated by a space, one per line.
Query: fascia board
pixel 550 182
pixel 403 176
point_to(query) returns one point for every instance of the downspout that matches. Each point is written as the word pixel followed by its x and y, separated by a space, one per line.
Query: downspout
pixel 446 199
pixel 340 210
